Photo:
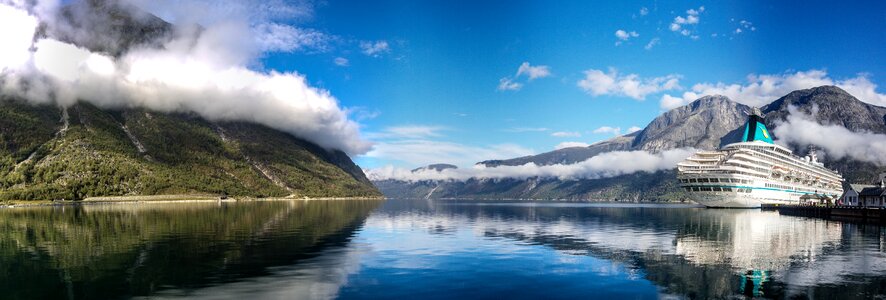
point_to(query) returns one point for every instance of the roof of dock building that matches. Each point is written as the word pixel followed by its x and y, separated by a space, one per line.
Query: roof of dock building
pixel 873 191
pixel 858 187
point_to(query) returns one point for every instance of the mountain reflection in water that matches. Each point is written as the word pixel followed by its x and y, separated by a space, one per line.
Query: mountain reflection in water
pixel 432 250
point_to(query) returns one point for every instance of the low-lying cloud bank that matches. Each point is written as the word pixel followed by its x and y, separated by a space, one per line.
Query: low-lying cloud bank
pixel 837 141
pixel 605 165
pixel 200 71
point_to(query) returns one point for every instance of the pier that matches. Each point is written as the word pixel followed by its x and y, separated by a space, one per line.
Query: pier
pixel 877 215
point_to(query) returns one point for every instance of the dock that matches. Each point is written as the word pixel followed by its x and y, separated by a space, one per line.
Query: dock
pixel 868 214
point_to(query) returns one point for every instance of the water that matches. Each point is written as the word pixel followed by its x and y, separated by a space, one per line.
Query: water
pixel 407 249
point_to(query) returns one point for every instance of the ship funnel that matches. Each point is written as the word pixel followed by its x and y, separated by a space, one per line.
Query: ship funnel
pixel 755 128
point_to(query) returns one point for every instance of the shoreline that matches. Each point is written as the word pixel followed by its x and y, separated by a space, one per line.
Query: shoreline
pixel 559 200
pixel 165 199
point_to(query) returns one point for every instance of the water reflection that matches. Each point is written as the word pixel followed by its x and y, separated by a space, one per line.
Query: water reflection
pixel 691 252
pixel 432 250
pixel 121 251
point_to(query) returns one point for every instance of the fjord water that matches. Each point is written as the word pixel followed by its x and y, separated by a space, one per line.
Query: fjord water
pixel 431 250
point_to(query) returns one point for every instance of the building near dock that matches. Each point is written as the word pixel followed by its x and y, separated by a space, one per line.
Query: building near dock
pixel 851 195
pixel 866 195
pixel 873 196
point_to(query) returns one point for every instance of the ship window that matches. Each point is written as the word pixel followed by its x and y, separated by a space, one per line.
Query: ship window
pixel 688 189
pixel 692 180
pixel 726 189
pixel 715 180
pixel 703 180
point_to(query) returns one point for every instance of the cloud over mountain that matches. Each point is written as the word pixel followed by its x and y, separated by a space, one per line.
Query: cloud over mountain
pixel 837 141
pixel 601 166
pixel 203 71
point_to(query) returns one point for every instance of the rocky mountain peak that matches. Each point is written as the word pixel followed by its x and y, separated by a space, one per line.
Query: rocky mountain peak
pixel 107 26
pixel 829 105
pixel 708 101
pixel 701 124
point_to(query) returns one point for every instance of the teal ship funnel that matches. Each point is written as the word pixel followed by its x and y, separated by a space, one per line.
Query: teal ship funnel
pixel 755 129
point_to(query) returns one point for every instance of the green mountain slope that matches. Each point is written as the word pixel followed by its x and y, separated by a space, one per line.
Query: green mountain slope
pixel 51 153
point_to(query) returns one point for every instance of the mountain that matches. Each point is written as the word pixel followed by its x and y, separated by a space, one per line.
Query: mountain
pixel 831 105
pixel 707 123
pixel 107 26
pixel 48 152
pixel 568 155
pixel 82 151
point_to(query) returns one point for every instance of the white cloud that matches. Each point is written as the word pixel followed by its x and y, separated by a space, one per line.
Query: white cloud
pixel 508 84
pixel 421 145
pixel 341 61
pixel 205 74
pixel 681 23
pixel 837 141
pixel 652 43
pixel 274 37
pixel 644 11
pixel 570 145
pixel 533 72
pixel 624 36
pixel 17 35
pixel 422 152
pixel 566 134
pixel 597 83
pixel 762 89
pixel 633 129
pixel 601 166
pixel 360 113
pixel 525 69
pixel 744 25
pixel 669 102
pixel 608 130
pixel 375 49
pixel 270 22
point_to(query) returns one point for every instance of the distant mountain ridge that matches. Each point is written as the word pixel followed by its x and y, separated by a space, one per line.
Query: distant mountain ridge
pixel 706 123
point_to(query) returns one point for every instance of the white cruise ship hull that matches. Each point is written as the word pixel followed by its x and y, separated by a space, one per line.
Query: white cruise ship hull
pixel 754 199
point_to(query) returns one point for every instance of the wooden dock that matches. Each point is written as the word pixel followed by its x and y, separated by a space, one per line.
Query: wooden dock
pixel 877 215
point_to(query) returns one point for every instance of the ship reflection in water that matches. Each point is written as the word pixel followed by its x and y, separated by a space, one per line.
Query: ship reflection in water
pixel 432 250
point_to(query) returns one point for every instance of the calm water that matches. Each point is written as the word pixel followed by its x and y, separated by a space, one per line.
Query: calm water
pixel 407 249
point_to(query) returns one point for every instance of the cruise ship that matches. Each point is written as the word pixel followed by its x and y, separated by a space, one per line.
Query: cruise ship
pixel 755 171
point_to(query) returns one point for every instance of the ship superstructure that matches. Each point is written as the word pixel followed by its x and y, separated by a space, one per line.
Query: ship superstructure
pixel 756 171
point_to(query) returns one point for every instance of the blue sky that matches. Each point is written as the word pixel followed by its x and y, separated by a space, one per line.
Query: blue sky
pixel 422 78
